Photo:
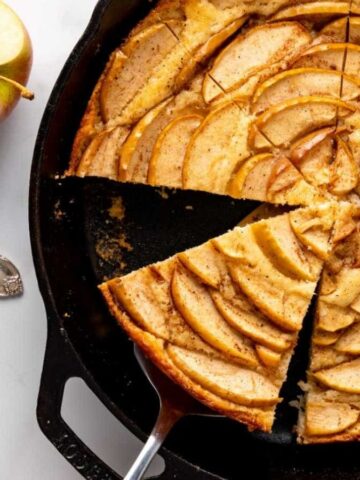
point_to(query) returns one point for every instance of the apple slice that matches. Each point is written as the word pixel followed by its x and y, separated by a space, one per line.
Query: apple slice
pixel 352 63
pixel 239 385
pixel 267 178
pixel 302 82
pixel 332 318
pixel 337 30
pixel 216 147
pixel 136 151
pixel 147 300
pixel 313 155
pixel 328 56
pixel 205 263
pixel 251 180
pixel 326 357
pixel 329 418
pixel 313 228
pixel 268 357
pixel 284 300
pixel 344 170
pixel 204 52
pixel 347 288
pixel 132 68
pixel 281 246
pixel 165 166
pixel 349 342
pixel 313 10
pixel 250 53
pixel 252 324
pixel 324 339
pixel 344 377
pixel 196 306
pixel 285 122
pixel 101 157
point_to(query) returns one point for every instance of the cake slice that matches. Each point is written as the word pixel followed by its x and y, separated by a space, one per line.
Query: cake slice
pixel 332 403
pixel 222 319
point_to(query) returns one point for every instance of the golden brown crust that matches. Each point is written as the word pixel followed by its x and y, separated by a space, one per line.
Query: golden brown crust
pixel 254 418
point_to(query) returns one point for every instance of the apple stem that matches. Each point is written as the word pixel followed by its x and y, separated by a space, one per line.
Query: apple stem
pixel 24 92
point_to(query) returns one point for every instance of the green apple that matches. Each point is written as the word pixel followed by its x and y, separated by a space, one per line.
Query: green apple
pixel 15 60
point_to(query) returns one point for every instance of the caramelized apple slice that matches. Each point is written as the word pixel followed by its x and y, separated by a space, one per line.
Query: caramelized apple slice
pixel 251 324
pixel 313 9
pixel 267 178
pixel 313 228
pixel 354 30
pixel 267 356
pixel 313 155
pixel 344 170
pixel 102 155
pixel 281 246
pixel 165 167
pixel 196 306
pixel 205 263
pixel 344 377
pixel 132 69
pixel 328 56
pixel 254 187
pixel 303 82
pixel 326 357
pixel 325 418
pixel 332 317
pixel 347 288
pixel 284 300
pixel 217 146
pixel 283 123
pixel 202 54
pixel 337 30
pixel 240 385
pixel 136 151
pixel 349 342
pixel 352 63
pixel 248 54
pixel 324 339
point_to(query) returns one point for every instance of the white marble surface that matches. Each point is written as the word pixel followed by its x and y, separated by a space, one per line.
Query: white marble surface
pixel 25 454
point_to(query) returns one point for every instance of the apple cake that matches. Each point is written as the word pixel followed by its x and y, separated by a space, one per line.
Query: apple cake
pixel 332 401
pixel 253 100
pixel 250 99
pixel 222 319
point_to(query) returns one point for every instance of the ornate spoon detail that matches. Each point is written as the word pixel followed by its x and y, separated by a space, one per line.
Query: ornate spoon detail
pixel 10 280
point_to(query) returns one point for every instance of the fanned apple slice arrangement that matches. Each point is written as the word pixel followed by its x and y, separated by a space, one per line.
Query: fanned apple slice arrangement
pixel 253 100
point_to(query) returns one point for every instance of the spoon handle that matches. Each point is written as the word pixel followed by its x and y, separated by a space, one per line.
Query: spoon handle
pixel 164 423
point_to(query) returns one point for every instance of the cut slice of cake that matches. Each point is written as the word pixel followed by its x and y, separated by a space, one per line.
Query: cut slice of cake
pixel 222 319
pixel 332 401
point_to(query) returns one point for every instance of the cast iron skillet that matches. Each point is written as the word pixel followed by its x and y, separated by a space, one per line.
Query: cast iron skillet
pixel 75 246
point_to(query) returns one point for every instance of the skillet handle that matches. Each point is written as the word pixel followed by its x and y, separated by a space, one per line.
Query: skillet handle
pixel 60 364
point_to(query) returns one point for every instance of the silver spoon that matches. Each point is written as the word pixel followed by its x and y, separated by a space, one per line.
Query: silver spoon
pixel 175 403
pixel 10 280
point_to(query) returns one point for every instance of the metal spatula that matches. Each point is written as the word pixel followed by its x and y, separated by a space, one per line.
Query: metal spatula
pixel 10 281
pixel 175 403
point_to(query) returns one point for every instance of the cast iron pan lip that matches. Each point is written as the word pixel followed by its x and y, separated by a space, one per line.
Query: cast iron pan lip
pixel 54 320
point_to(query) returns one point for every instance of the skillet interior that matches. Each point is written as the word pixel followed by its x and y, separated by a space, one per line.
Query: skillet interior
pixel 75 245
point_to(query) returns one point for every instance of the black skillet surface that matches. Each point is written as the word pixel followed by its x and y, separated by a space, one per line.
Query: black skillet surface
pixel 75 240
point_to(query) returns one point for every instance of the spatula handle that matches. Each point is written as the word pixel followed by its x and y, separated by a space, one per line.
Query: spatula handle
pixel 164 423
